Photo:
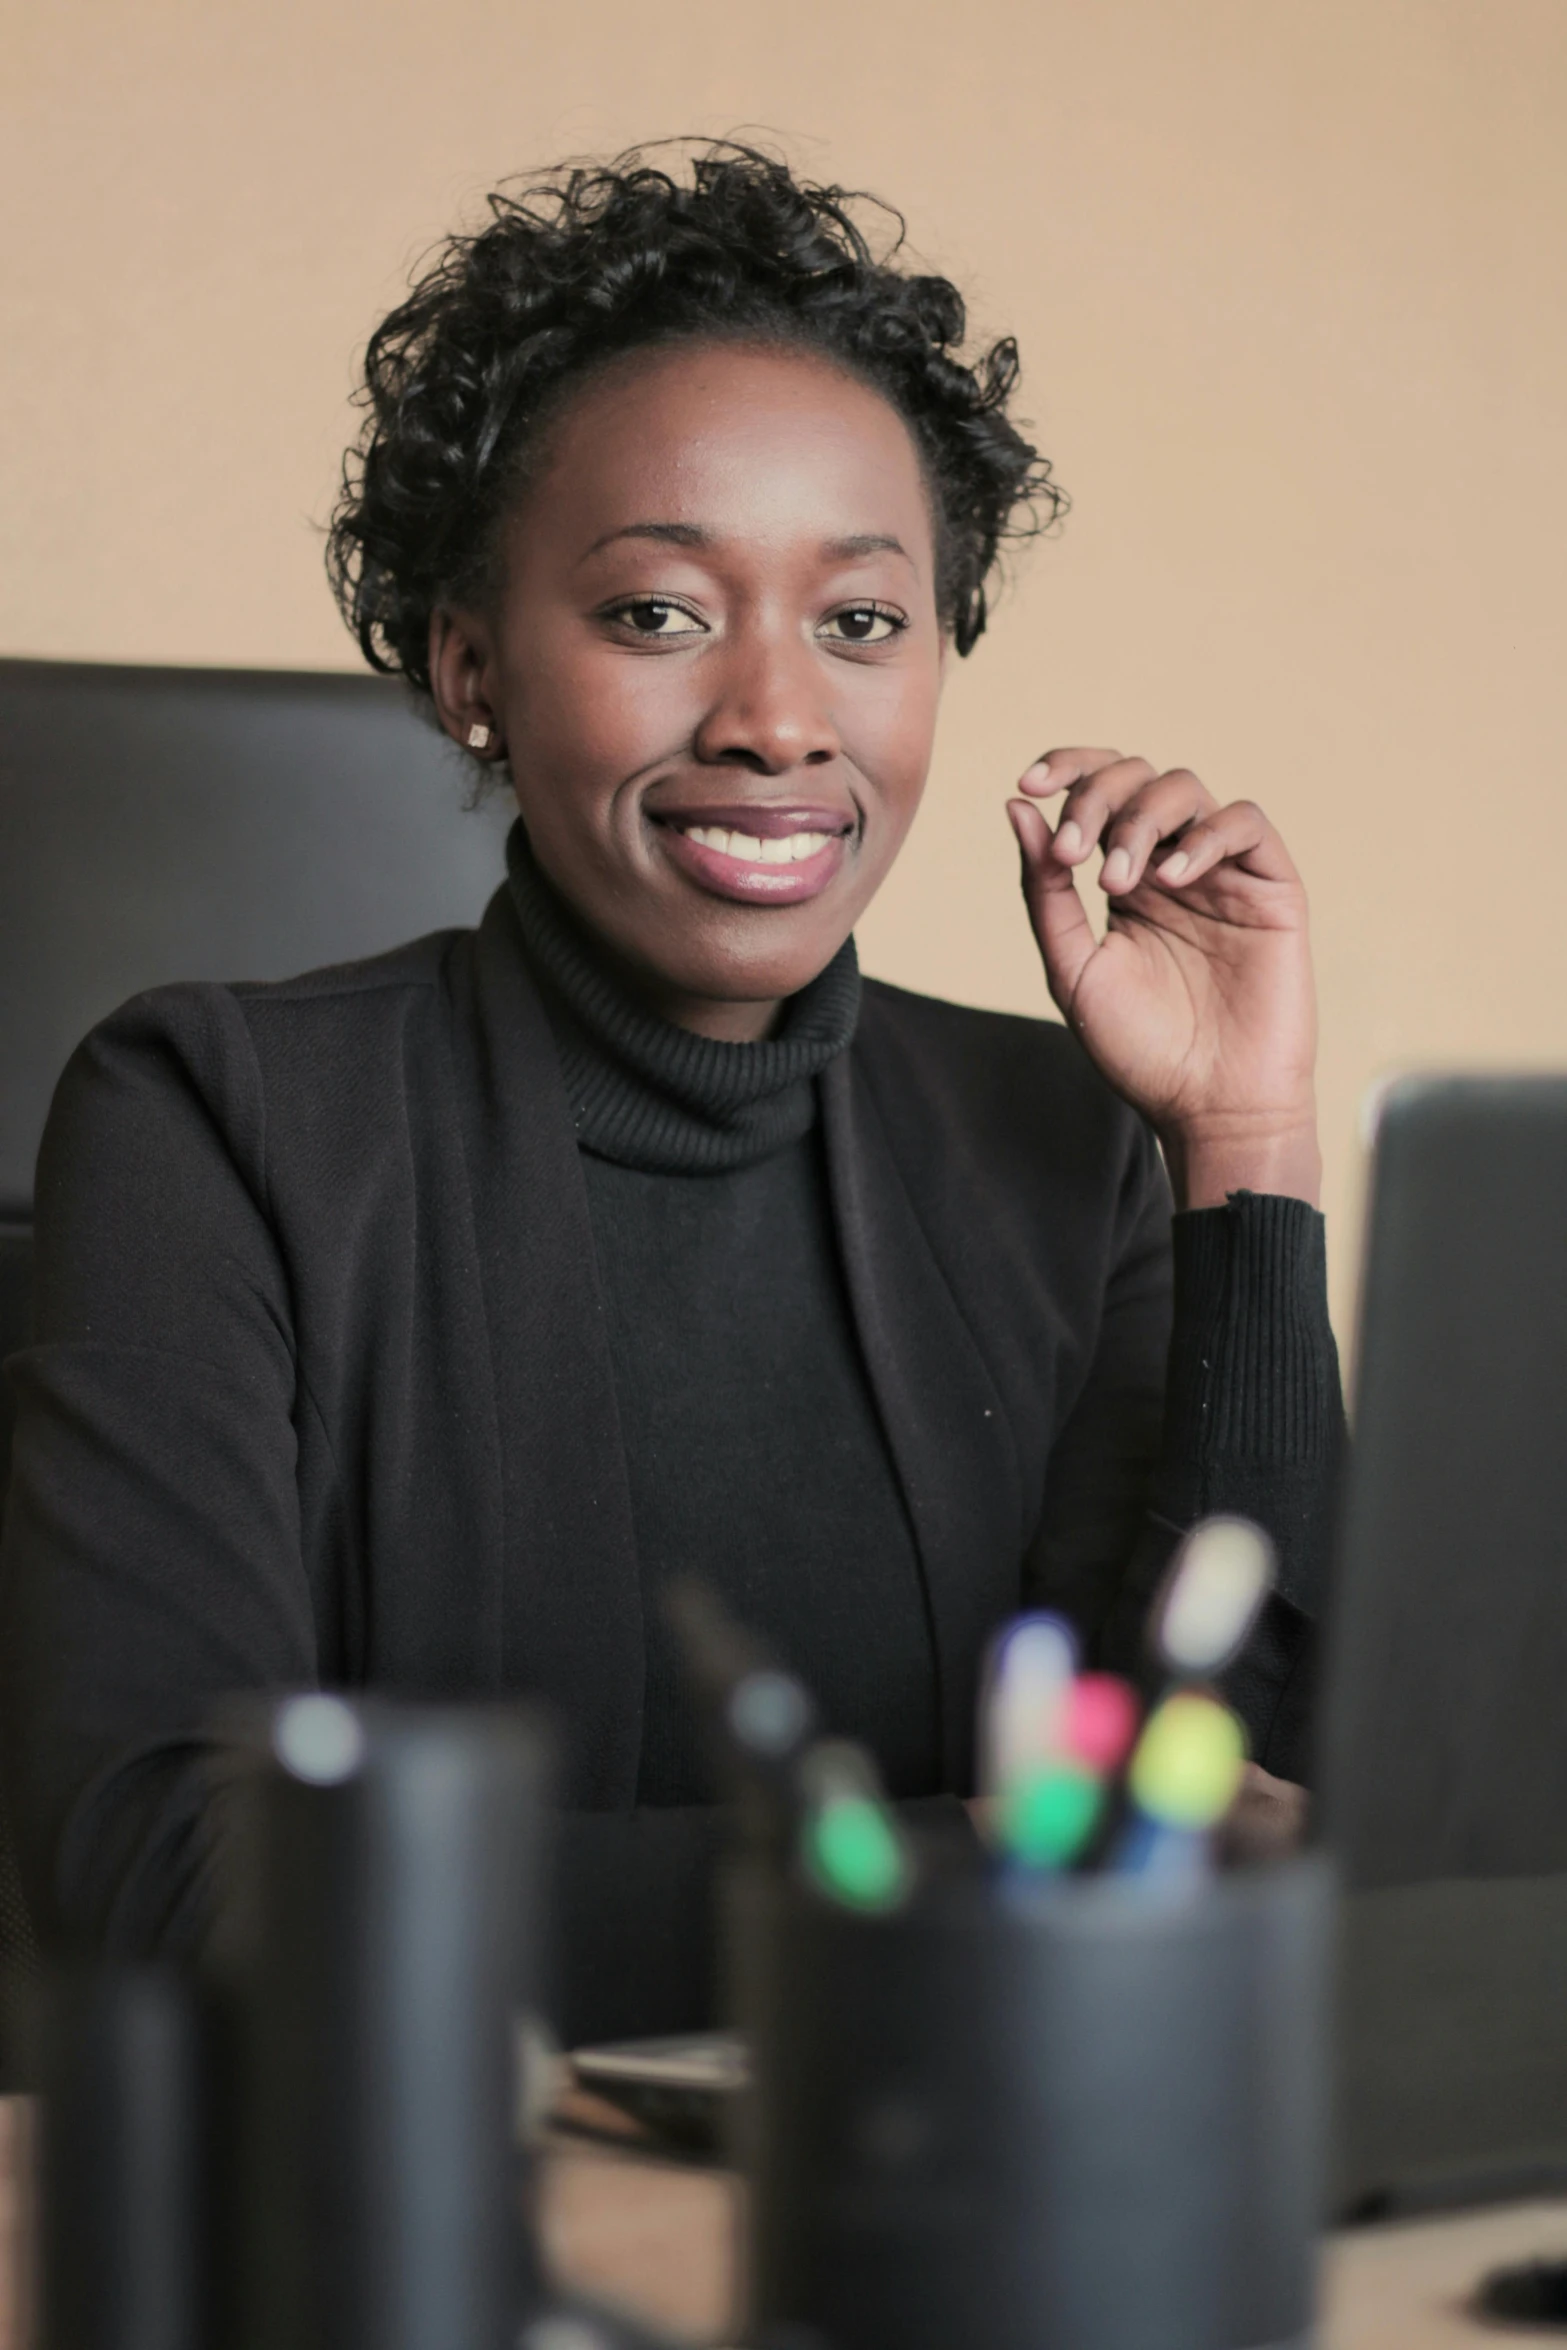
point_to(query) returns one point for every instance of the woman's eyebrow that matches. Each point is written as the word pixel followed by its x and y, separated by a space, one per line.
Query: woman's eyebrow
pixel 691 534
pixel 669 534
pixel 865 542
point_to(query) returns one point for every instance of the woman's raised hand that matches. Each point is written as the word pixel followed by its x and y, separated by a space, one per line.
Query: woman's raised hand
pixel 1198 1003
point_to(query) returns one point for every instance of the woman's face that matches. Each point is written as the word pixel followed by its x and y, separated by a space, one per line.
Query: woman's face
pixel 714 666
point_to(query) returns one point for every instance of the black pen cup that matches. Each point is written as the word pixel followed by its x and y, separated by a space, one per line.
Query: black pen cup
pixel 1085 2115
pixel 379 1967
pixel 122 2160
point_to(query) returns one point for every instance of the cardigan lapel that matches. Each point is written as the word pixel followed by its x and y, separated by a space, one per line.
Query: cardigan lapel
pixel 942 1412
pixel 572 1609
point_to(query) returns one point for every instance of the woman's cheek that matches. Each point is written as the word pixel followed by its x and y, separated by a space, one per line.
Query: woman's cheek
pixel 616 719
pixel 580 744
pixel 894 764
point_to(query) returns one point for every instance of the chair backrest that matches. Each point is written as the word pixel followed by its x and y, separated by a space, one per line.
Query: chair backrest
pixel 18 1949
pixel 160 824
pixel 163 824
pixel 16 1269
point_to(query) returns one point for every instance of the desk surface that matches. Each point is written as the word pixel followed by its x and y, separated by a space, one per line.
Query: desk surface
pixel 659 2236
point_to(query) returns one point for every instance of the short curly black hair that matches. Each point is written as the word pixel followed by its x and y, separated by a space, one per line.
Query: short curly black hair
pixel 581 264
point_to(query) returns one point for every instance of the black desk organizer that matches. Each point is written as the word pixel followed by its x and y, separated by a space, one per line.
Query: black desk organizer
pixel 380 1942
pixel 327 2148
pixel 123 2161
pixel 1085 2118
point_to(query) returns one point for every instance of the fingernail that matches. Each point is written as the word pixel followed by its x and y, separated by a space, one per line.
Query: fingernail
pixel 1118 869
pixel 1018 813
pixel 1174 867
pixel 1069 839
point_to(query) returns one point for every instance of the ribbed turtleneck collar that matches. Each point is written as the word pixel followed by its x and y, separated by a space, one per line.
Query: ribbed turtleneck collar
pixel 656 1097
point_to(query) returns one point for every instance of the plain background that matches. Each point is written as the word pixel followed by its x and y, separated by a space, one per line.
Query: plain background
pixel 1290 285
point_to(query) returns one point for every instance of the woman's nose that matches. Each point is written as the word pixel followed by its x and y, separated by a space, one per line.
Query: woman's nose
pixel 769 710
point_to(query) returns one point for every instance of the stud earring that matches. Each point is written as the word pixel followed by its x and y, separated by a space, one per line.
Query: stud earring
pixel 478 736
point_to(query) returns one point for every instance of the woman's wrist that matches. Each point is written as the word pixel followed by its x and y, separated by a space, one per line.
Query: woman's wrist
pixel 1208 1161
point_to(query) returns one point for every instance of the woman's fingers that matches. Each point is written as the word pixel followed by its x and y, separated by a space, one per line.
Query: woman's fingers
pixel 1093 801
pixel 1060 920
pixel 1268 1818
pixel 1114 803
pixel 1158 812
pixel 1239 834
pixel 1164 825
pixel 1055 771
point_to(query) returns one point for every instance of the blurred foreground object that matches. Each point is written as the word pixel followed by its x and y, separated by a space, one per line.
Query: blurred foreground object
pixel 122 2162
pixel 1441 1737
pixel 381 1961
pixel 329 2140
pixel 1088 2117
pixel 1015 2105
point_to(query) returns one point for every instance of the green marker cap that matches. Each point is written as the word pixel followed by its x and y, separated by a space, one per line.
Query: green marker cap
pixel 1047 1815
pixel 855 1853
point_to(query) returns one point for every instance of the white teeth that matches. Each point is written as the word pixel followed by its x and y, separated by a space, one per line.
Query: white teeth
pixel 792 849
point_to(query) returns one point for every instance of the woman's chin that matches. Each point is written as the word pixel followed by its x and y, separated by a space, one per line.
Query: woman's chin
pixel 737 964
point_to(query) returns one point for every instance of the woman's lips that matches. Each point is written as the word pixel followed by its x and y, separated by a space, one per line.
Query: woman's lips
pixel 787 859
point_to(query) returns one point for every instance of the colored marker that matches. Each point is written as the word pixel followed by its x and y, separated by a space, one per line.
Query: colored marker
pixel 821 1798
pixel 1046 1817
pixel 1054 1811
pixel 1212 1596
pixel 1185 1773
pixel 764 1717
pixel 851 1844
pixel 1027 1681
pixel 769 1714
pixel 1099 1721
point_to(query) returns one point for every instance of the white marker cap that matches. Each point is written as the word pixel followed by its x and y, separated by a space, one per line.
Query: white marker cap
pixel 1221 1575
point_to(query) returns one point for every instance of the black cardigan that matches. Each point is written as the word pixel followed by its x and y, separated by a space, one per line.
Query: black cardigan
pixel 321 1390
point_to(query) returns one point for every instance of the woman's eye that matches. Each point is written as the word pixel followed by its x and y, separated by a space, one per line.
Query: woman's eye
pixel 657 616
pixel 863 624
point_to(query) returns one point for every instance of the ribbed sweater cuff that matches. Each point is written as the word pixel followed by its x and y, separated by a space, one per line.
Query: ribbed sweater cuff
pixel 1253 1367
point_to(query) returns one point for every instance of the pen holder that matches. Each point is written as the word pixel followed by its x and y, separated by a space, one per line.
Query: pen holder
pixel 378 1964
pixel 1083 2115
pixel 121 2149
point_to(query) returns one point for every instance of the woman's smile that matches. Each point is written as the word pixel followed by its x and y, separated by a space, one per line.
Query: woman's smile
pixel 757 854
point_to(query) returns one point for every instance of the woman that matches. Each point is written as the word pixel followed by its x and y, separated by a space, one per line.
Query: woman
pixel 410 1324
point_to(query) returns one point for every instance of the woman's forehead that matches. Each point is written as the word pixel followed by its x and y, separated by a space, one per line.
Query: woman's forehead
pixel 733 442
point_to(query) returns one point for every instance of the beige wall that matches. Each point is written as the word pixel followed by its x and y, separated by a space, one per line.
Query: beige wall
pixel 1289 281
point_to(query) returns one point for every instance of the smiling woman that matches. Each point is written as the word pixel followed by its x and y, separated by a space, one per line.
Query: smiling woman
pixel 412 1324
pixel 663 482
pixel 716 701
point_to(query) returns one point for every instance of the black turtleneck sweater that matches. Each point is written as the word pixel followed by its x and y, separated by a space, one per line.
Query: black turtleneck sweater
pixel 755 1454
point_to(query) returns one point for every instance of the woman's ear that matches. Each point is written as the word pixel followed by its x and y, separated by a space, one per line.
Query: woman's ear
pixel 459 682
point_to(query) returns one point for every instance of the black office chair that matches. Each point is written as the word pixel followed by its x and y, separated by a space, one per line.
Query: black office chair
pixel 160 824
